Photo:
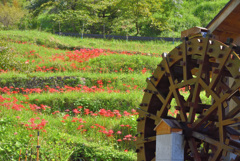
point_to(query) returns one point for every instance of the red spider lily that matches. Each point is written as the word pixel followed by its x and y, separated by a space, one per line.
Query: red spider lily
pixel 66 116
pixel 80 127
pixel 94 114
pixel 86 111
pixel 81 121
pixel 31 120
pixel 130 69
pixel 83 130
pixel 119 132
pixel 18 117
pixel 126 150
pixel 126 113
pixel 76 111
pixel 119 140
pixel 134 112
pixel 55 112
pixel 80 107
pixel 128 136
pixel 144 70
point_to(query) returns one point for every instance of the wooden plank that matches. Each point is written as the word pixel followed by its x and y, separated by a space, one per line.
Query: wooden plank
pixel 213 108
pixel 151 84
pixel 165 105
pixel 175 91
pixel 230 121
pixel 185 83
pixel 215 143
pixel 220 121
pixel 216 77
pixel 146 140
pixel 192 31
pixel 145 113
pixel 197 87
pixel 185 62
pixel 193 147
pixel 217 154
pixel 213 25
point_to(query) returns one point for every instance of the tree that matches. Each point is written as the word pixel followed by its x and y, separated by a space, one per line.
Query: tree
pixel 10 15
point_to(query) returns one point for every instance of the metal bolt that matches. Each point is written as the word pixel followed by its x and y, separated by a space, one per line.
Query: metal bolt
pixel 210 50
pixel 220 55
pixel 180 53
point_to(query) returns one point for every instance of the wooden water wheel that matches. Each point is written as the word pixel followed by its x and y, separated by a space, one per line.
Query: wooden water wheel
pixel 208 108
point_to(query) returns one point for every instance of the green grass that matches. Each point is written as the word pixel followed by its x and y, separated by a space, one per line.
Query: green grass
pixel 94 101
pixel 63 42
pixel 58 143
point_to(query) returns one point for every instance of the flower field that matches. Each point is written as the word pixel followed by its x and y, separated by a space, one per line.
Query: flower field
pixel 81 101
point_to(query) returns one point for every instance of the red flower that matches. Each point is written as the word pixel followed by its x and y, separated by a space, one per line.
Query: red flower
pixel 76 111
pixel 86 111
pixel 80 126
pixel 119 132
pixel 128 136
pixel 66 116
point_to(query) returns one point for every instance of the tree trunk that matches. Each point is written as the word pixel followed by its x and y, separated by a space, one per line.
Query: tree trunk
pixel 137 27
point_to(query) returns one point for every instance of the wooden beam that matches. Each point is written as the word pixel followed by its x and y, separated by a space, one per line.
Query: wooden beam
pixel 214 24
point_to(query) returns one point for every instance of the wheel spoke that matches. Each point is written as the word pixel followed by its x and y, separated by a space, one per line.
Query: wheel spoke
pixel 193 147
pixel 161 98
pixel 185 62
pixel 225 97
pixel 218 74
pixel 215 143
pixel 229 121
pixel 216 154
pixel 220 121
pixel 176 94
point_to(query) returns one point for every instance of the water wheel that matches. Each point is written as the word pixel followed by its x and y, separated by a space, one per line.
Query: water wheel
pixel 208 109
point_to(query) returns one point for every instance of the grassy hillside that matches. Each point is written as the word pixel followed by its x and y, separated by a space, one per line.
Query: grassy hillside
pixel 81 95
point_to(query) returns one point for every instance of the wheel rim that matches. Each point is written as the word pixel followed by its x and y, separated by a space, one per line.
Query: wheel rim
pixel 203 66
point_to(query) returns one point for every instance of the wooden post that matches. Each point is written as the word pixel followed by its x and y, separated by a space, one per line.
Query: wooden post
pixel 26 155
pixel 20 155
pixel 38 147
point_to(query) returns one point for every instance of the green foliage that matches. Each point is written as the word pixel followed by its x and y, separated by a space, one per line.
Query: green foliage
pixel 124 63
pixel 10 16
pixel 6 58
pixel 93 101
pixel 207 10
